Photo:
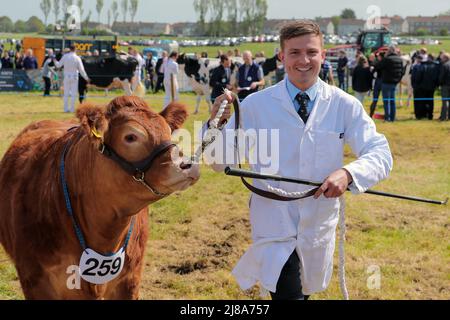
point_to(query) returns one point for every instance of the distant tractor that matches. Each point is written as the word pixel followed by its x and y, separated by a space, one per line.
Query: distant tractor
pixel 367 42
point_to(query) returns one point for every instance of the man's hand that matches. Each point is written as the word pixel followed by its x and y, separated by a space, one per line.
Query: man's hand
pixel 227 112
pixel 335 184
pixel 254 85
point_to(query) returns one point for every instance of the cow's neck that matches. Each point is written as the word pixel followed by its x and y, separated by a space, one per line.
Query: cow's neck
pixel 104 198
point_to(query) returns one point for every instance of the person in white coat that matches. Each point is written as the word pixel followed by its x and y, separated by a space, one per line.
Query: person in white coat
pixel 73 66
pixel 170 79
pixel 138 72
pixel 293 242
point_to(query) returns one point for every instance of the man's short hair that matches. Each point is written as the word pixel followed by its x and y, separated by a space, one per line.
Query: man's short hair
pixel 72 47
pixel 173 54
pixel 224 58
pixel 299 28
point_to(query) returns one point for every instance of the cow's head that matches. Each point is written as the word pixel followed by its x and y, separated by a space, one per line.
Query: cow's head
pixel 133 131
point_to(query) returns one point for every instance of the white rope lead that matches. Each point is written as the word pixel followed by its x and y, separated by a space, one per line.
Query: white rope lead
pixel 341 248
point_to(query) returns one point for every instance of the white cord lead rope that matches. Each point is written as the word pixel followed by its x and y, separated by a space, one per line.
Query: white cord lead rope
pixel 342 230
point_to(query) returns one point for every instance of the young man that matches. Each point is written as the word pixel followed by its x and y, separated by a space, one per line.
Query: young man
pixel 293 242
pixel 220 78
pixel 73 66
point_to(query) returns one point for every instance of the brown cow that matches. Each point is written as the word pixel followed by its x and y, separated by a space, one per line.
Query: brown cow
pixel 36 229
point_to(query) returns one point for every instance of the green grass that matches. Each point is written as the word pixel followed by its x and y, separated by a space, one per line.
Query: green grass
pixel 197 236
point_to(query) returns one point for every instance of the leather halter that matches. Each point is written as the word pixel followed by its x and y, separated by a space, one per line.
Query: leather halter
pixel 137 169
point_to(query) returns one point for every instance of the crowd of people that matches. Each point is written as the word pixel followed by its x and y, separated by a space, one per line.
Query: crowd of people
pixel 383 72
pixel 379 74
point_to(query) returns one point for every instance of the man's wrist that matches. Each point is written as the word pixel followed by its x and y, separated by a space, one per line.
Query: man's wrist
pixel 349 176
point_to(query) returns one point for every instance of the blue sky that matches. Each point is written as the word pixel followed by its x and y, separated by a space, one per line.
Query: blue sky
pixel 182 10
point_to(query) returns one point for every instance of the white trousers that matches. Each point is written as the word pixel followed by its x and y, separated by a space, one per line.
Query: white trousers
pixel 168 97
pixel 70 90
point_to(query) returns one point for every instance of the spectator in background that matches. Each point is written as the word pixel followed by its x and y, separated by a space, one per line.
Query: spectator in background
pixel 159 68
pixel 47 72
pixel 30 62
pixel 249 76
pixel 362 79
pixel 374 59
pixel 237 52
pixel 341 67
pixel 96 53
pixel 18 61
pixel 220 78
pixel 326 72
pixel 150 70
pixel 18 45
pixel 6 62
pixel 424 54
pixel 138 72
pixel 353 62
pixel 391 67
pixel 170 79
pixel 424 80
pixel 444 81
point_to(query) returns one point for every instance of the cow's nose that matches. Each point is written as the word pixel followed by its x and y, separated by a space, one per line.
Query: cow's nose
pixel 185 165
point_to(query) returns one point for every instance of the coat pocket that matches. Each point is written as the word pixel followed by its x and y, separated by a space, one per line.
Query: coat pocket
pixel 328 152
pixel 268 218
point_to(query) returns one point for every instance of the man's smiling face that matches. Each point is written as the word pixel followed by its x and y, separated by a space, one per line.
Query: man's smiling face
pixel 302 57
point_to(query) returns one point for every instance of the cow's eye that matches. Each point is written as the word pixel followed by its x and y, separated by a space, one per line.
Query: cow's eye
pixel 130 138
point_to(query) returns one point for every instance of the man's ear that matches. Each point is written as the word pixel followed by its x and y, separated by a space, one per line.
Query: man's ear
pixel 175 115
pixel 92 119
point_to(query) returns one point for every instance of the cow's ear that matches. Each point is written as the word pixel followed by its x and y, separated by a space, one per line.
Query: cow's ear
pixel 175 115
pixel 92 119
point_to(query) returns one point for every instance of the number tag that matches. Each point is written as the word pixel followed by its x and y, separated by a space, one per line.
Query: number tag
pixel 99 269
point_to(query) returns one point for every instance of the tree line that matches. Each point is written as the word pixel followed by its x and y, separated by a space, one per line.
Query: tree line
pixel 230 17
pixel 57 9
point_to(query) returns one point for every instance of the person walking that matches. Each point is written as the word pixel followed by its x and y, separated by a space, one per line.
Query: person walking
pixel 293 241
pixel 73 67
pixel 170 79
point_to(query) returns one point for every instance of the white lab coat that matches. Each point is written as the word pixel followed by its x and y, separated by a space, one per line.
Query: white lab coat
pixel 310 152
pixel 138 71
pixel 170 68
pixel 72 67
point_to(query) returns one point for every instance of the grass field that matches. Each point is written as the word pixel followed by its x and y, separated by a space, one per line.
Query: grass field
pixel 196 237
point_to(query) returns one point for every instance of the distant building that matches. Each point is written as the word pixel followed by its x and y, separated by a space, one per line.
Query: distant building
pixel 396 24
pixel 432 24
pixel 349 26
pixel 326 25
pixel 141 28
pixel 273 26
pixel 187 29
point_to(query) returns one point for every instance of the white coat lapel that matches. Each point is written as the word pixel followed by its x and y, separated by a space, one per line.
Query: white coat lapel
pixel 281 94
